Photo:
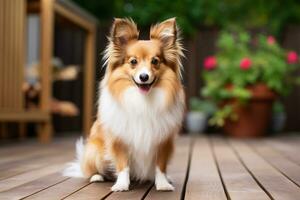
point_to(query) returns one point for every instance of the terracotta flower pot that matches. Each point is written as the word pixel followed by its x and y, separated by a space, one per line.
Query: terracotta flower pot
pixel 253 117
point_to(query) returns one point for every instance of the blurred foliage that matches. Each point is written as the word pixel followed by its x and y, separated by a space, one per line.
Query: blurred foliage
pixel 221 115
pixel 191 14
pixel 269 65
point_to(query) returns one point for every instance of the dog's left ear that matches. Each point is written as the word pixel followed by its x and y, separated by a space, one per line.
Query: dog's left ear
pixel 123 30
pixel 165 31
pixel 168 34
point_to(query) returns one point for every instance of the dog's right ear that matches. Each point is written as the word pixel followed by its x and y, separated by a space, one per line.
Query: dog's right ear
pixel 123 31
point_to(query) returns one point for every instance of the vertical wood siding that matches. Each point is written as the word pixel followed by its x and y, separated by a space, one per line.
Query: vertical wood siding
pixel 12 21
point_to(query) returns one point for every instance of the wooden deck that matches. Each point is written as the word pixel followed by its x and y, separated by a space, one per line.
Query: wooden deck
pixel 202 168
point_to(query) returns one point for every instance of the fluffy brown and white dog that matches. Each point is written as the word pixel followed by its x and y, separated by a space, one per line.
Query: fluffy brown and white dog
pixel 140 110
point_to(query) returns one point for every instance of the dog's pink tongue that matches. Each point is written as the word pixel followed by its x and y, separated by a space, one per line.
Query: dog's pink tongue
pixel 144 89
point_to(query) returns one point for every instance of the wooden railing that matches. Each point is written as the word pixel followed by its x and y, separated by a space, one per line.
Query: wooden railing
pixel 12 52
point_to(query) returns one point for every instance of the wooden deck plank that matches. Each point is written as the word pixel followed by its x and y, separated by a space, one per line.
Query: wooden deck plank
pixel 93 191
pixel 32 155
pixel 25 155
pixel 27 147
pixel 33 145
pixel 204 181
pixel 290 139
pixel 177 171
pixel 38 162
pixel 277 185
pixel 290 151
pixel 61 190
pixel 29 176
pixel 34 162
pixel 137 191
pixel 29 188
pixel 239 183
pixel 12 155
pixel 244 169
pixel 281 163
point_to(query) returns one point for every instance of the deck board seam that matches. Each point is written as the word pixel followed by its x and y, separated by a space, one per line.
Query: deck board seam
pixel 107 195
pixel 75 191
pixel 249 171
pixel 32 169
pixel 281 153
pixel 147 191
pixel 25 171
pixel 45 188
pixel 29 159
pixel 272 165
pixel 187 174
pixel 218 168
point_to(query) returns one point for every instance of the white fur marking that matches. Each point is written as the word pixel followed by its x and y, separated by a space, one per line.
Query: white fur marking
pixel 161 181
pixel 142 122
pixel 96 178
pixel 123 181
pixel 73 169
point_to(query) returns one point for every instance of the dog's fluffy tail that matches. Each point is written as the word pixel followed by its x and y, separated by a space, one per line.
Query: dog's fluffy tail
pixel 73 169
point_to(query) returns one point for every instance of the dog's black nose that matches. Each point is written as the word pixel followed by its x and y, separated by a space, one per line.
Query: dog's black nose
pixel 144 77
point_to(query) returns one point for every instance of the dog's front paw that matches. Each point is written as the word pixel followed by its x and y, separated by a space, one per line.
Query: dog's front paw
pixel 161 181
pixel 119 187
pixel 123 181
pixel 164 186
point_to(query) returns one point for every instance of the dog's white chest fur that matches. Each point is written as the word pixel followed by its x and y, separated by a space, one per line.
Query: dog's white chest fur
pixel 142 122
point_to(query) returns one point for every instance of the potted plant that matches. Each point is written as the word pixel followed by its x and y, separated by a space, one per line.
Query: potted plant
pixel 244 78
pixel 200 110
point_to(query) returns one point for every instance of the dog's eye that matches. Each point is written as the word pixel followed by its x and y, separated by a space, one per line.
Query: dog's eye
pixel 133 61
pixel 154 61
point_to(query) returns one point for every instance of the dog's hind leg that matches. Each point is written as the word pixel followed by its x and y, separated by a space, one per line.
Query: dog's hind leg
pixel 93 164
pixel 97 178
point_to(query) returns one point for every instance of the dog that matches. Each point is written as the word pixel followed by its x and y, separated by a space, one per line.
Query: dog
pixel 140 108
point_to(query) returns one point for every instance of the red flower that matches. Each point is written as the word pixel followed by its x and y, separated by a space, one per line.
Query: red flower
pixel 210 63
pixel 292 57
pixel 271 40
pixel 245 63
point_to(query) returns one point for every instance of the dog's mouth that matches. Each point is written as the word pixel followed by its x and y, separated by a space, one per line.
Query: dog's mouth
pixel 144 87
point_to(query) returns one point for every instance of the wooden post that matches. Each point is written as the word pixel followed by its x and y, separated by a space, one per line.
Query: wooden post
pixel 21 45
pixel 3 131
pixel 89 77
pixel 191 76
pixel 47 23
pixel 22 130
